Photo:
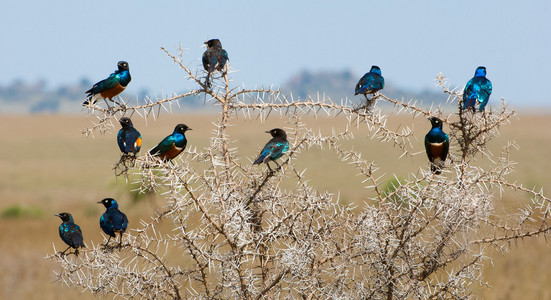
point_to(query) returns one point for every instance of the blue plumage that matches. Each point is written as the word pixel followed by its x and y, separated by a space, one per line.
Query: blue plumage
pixel 129 138
pixel 171 145
pixel 478 89
pixel 70 232
pixel 274 149
pixel 437 145
pixel 371 82
pixel 214 58
pixel 111 86
pixel 112 220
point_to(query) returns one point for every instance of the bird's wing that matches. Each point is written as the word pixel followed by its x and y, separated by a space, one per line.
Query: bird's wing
pixel 446 147
pixel 205 61
pixel 121 140
pixel 278 148
pixel 166 144
pixel 427 147
pixel 265 151
pixel 133 140
pixel 104 85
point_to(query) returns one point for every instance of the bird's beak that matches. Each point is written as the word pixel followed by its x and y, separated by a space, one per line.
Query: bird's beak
pixel 267 131
pixel 204 45
pixel 99 202
pixel 190 129
pixel 57 215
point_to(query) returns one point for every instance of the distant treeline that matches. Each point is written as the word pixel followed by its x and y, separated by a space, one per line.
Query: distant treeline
pixel 36 97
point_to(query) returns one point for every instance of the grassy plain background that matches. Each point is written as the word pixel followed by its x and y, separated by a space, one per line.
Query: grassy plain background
pixel 47 166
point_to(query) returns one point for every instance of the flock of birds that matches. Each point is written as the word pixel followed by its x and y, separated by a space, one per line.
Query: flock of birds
pixel 129 139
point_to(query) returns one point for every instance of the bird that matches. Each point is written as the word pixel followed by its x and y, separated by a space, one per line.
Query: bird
pixel 111 86
pixel 478 89
pixel 274 149
pixel 129 138
pixel 70 232
pixel 437 145
pixel 171 145
pixel 214 58
pixel 112 220
pixel 371 82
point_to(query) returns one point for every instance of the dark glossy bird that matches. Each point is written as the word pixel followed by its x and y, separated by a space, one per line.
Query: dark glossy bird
pixel 437 145
pixel 70 232
pixel 371 82
pixel 171 145
pixel 214 58
pixel 478 89
pixel 274 149
pixel 111 86
pixel 112 220
pixel 129 138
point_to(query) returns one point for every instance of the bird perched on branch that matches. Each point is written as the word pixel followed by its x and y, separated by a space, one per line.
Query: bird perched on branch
pixel 111 86
pixel 129 138
pixel 171 145
pixel 70 232
pixel 371 82
pixel 214 58
pixel 437 144
pixel 274 149
pixel 478 89
pixel 112 220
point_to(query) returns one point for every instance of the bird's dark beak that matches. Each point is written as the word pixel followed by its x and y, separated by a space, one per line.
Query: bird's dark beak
pixel 99 202
pixel 190 129
pixel 57 215
pixel 267 131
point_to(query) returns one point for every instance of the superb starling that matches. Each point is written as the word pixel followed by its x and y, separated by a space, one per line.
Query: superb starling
pixel 112 220
pixel 437 144
pixel 70 232
pixel 171 145
pixel 214 58
pixel 274 149
pixel 478 89
pixel 111 86
pixel 371 82
pixel 129 138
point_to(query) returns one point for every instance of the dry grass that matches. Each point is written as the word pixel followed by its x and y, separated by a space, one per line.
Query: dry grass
pixel 47 164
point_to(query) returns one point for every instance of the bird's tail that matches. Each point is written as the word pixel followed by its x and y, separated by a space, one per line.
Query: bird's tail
pixel 259 160
pixel 90 100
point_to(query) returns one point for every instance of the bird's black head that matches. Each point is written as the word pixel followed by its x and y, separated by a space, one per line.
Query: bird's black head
pixel 109 202
pixel 65 217
pixel 213 43
pixel 181 128
pixel 277 132
pixel 375 69
pixel 123 66
pixel 125 122
pixel 436 122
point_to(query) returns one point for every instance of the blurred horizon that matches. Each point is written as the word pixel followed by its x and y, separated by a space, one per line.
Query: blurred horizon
pixel 269 43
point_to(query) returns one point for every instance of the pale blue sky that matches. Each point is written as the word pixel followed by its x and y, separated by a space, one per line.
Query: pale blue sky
pixel 412 41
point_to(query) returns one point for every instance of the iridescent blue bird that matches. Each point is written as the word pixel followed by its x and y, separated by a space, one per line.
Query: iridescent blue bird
pixel 70 232
pixel 478 89
pixel 111 86
pixel 171 145
pixel 214 58
pixel 274 149
pixel 129 138
pixel 371 82
pixel 112 220
pixel 437 145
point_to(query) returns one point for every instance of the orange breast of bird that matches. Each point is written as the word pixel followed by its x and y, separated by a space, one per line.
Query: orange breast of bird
pixel 172 153
pixel 110 93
